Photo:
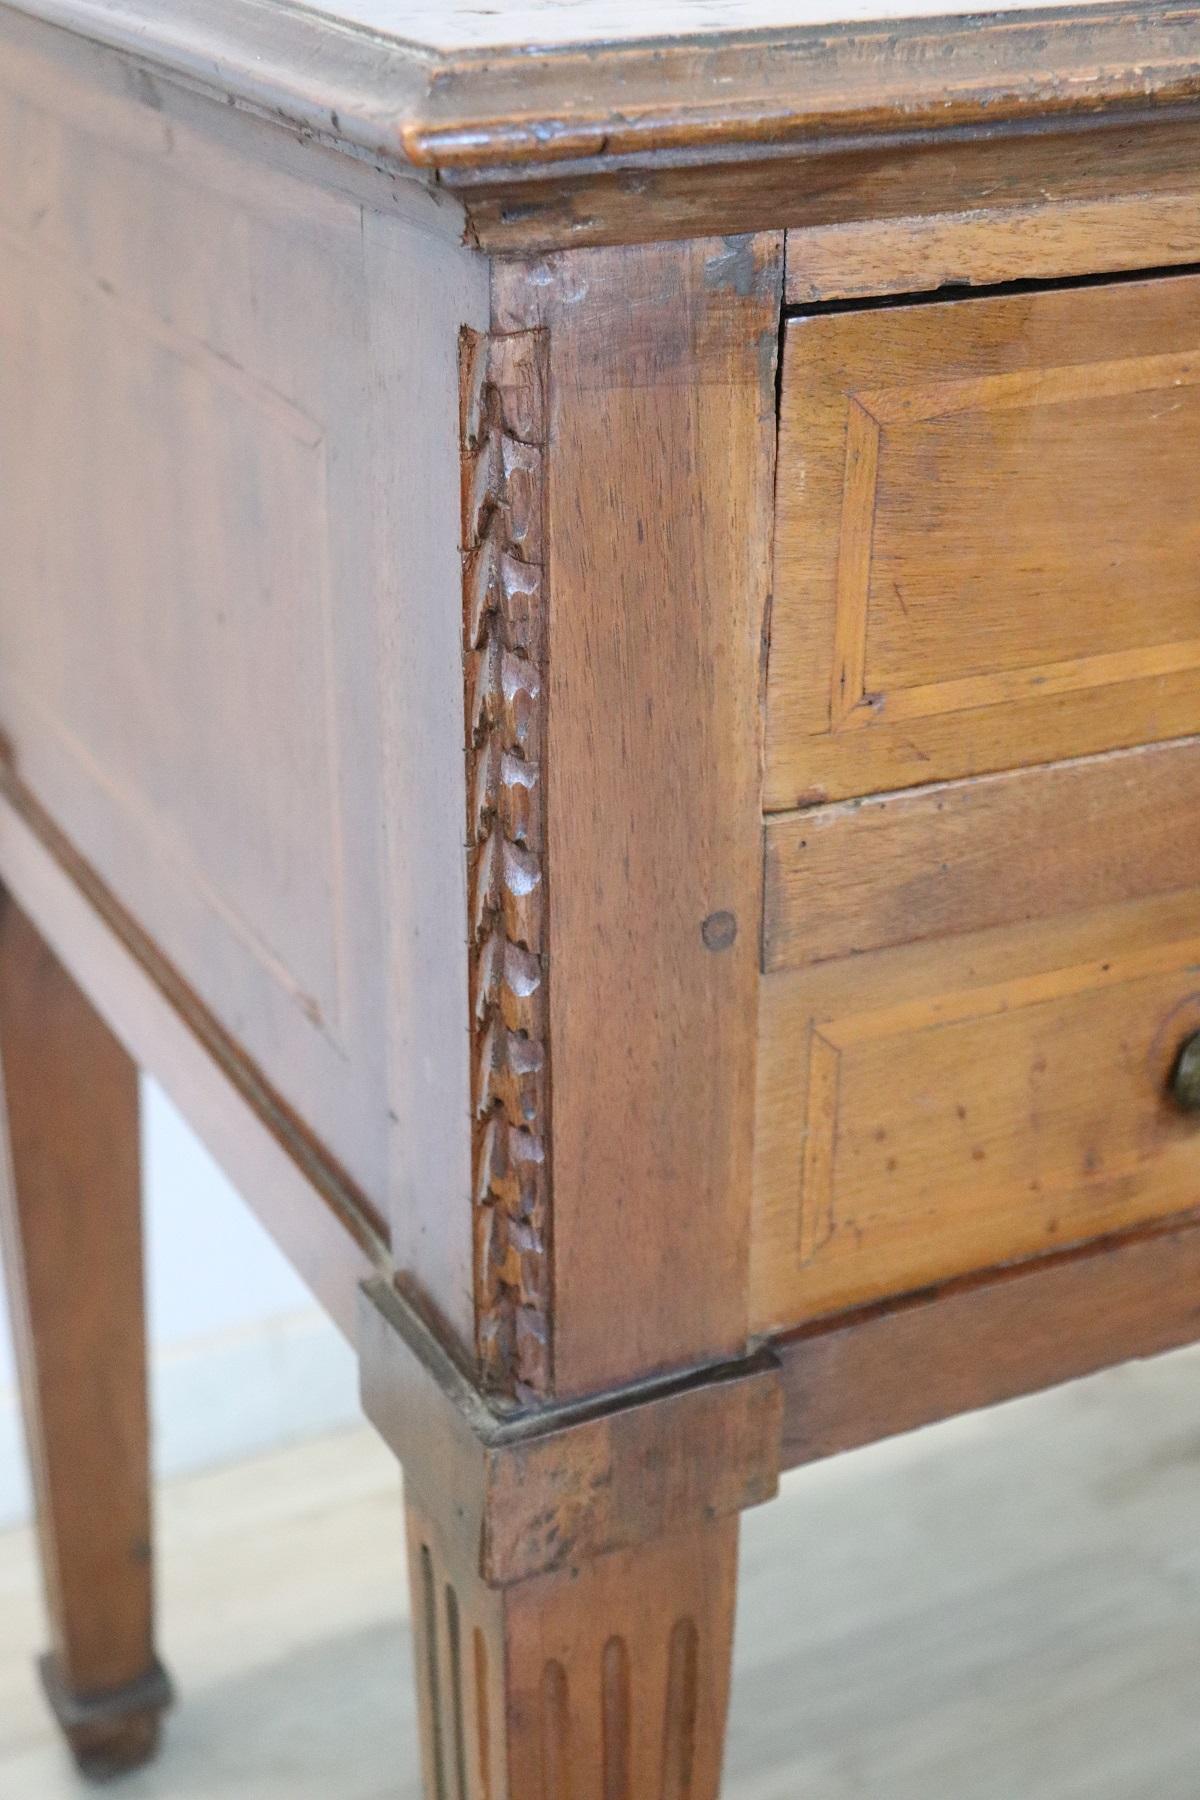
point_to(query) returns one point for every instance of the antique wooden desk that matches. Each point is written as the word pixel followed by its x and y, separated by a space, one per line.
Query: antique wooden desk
pixel 600 672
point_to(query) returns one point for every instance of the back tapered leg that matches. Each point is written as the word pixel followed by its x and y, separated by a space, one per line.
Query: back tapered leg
pixel 71 1207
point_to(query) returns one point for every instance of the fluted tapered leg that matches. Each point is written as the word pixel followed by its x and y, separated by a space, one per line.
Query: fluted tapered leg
pixel 608 1681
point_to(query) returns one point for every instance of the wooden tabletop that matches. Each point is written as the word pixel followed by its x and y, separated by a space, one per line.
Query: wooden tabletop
pixel 467 25
pixel 460 89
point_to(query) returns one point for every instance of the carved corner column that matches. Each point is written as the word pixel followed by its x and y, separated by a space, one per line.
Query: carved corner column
pixel 656 410
pixel 574 1498
pixel 618 437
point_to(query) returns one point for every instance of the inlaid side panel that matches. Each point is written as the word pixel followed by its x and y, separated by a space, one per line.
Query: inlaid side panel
pixel 979 1069
pixel 230 658
pixel 988 529
pixel 170 618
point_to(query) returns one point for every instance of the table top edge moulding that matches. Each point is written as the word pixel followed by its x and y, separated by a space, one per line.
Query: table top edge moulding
pixel 660 111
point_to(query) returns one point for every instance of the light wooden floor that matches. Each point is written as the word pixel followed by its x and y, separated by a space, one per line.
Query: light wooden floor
pixel 1006 1608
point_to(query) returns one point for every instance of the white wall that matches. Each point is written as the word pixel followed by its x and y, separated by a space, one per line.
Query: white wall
pixel 241 1358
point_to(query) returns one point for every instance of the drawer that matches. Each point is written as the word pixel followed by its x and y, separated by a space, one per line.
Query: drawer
pixel 975 996
pixel 988 536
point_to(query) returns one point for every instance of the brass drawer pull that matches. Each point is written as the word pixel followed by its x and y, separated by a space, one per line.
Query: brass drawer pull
pixel 1185 1082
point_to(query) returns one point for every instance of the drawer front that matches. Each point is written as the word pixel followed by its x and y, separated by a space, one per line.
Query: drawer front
pixel 975 998
pixel 988 536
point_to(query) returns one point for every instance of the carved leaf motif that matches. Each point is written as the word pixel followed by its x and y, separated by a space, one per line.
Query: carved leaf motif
pixel 503 432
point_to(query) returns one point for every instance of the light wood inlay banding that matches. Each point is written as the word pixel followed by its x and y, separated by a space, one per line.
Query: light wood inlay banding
pixel 868 415
pixel 820 1138
pixel 854 564
pixel 985 1099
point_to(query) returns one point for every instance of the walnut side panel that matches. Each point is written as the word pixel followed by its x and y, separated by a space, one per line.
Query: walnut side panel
pixel 230 645
pixel 325 1229
pixel 503 427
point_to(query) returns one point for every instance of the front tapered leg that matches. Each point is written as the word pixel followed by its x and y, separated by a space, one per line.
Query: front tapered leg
pixel 606 1681
pixel 73 1258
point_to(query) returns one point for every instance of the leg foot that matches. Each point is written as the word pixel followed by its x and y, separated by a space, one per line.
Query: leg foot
pixel 112 1733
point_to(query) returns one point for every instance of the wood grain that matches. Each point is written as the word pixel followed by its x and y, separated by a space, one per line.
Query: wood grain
pixel 992 244
pixel 460 26
pixel 892 77
pixel 888 1369
pixel 959 856
pixel 611 1683
pixel 174 532
pixel 421 288
pixel 986 537
pixel 813 185
pixel 71 1208
pixel 658 532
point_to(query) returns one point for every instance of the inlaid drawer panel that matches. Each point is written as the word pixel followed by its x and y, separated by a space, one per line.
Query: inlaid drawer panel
pixel 975 999
pixel 988 536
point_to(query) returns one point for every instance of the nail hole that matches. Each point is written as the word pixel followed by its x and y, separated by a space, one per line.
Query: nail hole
pixel 719 930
